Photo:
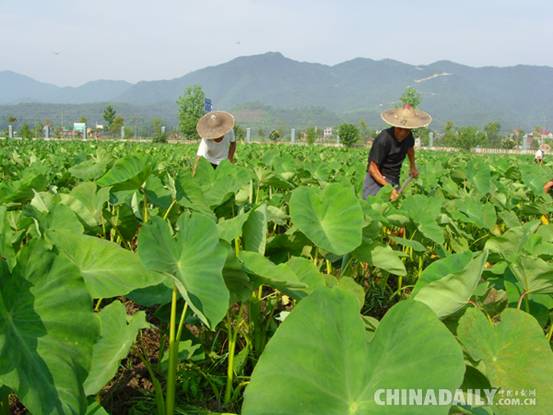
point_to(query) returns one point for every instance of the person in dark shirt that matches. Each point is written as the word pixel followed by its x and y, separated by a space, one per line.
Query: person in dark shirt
pixel 390 148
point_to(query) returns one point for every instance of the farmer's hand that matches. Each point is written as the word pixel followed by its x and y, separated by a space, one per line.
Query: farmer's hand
pixel 414 172
pixel 394 196
pixel 548 186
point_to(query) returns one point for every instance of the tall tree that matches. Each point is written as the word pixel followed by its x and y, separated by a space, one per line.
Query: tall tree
pixel 26 132
pixel 116 125
pixel 469 137
pixel 492 130
pixel 109 116
pixel 349 134
pixel 274 135
pixel 158 136
pixel 311 135
pixel 411 97
pixel 38 130
pixel 191 109
pixel 239 132
pixel 450 135
pixel 12 119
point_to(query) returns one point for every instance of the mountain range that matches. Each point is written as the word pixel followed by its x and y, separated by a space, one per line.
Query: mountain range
pixel 273 88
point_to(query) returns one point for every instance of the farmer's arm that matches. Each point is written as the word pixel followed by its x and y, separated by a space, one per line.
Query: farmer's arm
pixel 412 164
pixel 374 171
pixel 548 186
pixel 231 151
pixel 377 156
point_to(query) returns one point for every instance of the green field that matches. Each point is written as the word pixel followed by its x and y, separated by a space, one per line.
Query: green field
pixel 269 286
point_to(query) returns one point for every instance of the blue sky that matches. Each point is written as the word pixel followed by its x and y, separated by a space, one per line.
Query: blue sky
pixel 144 40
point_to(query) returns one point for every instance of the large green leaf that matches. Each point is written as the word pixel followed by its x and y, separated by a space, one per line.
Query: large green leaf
pixel 421 208
pixel 447 285
pixel 220 184
pixel 278 276
pixel 195 260
pixel 432 231
pixel 320 360
pixel 118 332
pixel 479 175
pixel 534 177
pixel 481 214
pixel 47 331
pixel 230 229
pixel 7 253
pixel 510 245
pixel 107 269
pixel 332 218
pixel 513 355
pixel 534 274
pixel 382 257
pixel 255 230
pixel 87 202
pixel 128 173
pixel 89 169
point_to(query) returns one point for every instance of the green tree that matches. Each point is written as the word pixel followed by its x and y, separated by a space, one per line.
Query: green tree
pixel 26 132
pixel 38 129
pixel 469 137
pixel 109 116
pixel 157 135
pixel 509 142
pixel 116 125
pixel 83 119
pixel 492 130
pixel 423 134
pixel 349 134
pixel 11 119
pixel 239 132
pixel 311 135
pixel 411 97
pixel 274 135
pixel 191 109
pixel 366 133
pixel 450 134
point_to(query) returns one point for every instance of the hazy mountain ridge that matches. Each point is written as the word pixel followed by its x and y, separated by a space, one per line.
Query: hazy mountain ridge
pixel 517 96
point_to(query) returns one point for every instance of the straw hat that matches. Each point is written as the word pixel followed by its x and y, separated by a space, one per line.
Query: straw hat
pixel 406 117
pixel 215 124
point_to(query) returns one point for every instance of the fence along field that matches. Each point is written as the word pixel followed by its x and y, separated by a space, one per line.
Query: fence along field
pixel 269 286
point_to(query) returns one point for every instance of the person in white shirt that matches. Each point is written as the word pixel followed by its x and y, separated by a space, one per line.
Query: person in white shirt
pixel 218 141
pixel 538 156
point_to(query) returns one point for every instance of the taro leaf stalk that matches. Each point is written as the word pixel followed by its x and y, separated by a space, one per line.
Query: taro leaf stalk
pixel 194 259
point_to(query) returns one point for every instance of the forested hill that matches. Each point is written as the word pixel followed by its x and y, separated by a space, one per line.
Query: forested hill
pixel 518 96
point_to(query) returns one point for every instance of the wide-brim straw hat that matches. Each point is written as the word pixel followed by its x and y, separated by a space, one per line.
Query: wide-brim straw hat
pixel 215 124
pixel 406 117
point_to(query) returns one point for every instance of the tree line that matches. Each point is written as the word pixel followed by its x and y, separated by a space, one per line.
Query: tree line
pixel 190 107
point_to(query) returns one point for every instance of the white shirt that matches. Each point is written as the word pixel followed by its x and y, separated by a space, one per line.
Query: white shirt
pixel 539 154
pixel 216 152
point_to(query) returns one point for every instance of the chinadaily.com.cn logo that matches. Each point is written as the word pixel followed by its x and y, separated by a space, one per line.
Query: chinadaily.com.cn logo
pixel 446 397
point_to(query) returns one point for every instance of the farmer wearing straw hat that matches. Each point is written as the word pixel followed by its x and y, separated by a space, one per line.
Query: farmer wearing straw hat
pixel 218 142
pixel 390 148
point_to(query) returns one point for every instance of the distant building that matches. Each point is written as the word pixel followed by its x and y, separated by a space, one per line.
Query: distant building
pixel 327 132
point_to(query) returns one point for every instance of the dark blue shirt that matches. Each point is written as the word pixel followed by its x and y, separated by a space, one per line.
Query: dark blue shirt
pixel 388 153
